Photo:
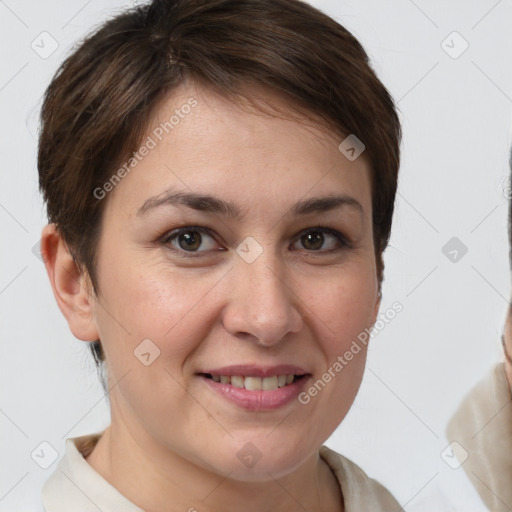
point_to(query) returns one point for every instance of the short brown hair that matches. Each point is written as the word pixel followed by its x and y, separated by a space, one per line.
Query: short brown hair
pixel 97 107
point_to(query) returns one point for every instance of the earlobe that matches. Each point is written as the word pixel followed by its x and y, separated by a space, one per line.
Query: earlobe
pixel 71 287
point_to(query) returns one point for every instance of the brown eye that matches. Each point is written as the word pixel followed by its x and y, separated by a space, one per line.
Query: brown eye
pixel 190 239
pixel 317 239
pixel 313 240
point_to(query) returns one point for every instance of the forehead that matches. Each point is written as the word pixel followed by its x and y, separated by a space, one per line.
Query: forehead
pixel 201 141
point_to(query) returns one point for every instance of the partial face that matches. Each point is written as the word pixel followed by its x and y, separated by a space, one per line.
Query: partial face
pixel 507 339
pixel 272 289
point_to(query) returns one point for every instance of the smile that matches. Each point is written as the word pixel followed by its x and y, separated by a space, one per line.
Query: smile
pixel 251 383
pixel 272 389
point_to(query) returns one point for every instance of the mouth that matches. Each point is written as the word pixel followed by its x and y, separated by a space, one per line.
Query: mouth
pixel 255 383
pixel 256 388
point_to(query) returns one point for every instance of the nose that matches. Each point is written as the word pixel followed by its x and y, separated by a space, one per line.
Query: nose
pixel 262 306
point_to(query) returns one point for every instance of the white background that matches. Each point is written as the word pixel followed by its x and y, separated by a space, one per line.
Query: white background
pixel 456 116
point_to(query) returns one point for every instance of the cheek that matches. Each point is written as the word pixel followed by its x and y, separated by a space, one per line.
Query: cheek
pixel 345 335
pixel 344 308
pixel 172 310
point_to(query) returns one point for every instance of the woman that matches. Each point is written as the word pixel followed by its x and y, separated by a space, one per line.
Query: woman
pixel 220 179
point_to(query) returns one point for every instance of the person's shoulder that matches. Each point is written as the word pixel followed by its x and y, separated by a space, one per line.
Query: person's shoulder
pixel 480 436
pixel 360 492
pixel 481 404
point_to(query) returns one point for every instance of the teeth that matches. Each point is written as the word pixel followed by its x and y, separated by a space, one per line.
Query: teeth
pixel 255 383
pixel 269 383
pixel 252 383
pixel 237 381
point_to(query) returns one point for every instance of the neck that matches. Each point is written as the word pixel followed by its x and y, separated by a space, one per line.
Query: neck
pixel 152 477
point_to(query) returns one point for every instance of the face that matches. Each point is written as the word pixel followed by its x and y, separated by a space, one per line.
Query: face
pixel 507 341
pixel 275 284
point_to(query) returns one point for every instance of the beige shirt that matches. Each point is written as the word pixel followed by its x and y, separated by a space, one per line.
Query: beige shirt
pixel 482 426
pixel 75 486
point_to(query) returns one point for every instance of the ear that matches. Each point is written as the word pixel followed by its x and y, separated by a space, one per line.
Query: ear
pixel 72 289
pixel 377 307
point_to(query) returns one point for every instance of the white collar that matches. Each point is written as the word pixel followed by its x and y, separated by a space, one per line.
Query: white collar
pixel 75 485
pixel 482 425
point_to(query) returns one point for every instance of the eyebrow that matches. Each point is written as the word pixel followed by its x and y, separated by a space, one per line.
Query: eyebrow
pixel 212 204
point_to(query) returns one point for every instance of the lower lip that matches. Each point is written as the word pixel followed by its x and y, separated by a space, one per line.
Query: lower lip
pixel 258 400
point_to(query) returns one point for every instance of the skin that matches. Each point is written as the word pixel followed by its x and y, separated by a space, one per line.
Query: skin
pixel 173 442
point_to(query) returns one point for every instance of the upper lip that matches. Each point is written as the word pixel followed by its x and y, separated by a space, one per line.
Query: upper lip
pixel 251 370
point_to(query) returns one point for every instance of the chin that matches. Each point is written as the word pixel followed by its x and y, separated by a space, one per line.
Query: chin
pixel 260 460
pixel 264 471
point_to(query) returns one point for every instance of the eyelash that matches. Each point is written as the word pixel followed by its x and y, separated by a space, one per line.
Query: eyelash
pixel 171 235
